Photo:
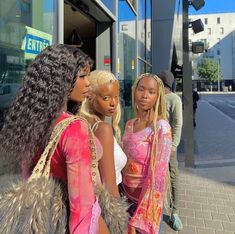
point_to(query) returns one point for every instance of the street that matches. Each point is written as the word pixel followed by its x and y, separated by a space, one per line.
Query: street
pixel 223 102
pixel 215 131
pixel 207 192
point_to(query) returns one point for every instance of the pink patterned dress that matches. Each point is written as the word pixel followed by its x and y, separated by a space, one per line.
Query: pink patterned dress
pixel 142 185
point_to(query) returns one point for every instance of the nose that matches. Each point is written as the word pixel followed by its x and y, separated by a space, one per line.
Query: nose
pixel 145 95
pixel 112 102
pixel 87 82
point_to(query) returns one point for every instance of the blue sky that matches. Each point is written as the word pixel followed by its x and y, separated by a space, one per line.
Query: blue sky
pixel 215 6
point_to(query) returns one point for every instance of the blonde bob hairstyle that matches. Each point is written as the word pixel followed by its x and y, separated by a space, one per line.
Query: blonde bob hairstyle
pixel 98 78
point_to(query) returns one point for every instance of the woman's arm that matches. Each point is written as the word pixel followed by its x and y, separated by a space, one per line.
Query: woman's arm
pixel 84 211
pixel 104 133
pixel 103 229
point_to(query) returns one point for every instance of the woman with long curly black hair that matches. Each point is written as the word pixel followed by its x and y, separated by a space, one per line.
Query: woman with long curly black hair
pixel 57 75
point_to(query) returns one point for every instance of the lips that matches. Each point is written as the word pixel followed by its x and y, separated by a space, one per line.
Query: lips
pixel 87 93
pixel 112 111
pixel 143 102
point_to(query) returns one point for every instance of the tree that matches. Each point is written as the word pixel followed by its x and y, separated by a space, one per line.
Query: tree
pixel 209 69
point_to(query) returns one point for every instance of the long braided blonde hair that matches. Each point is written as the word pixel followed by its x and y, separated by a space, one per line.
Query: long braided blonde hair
pixel 98 78
pixel 159 111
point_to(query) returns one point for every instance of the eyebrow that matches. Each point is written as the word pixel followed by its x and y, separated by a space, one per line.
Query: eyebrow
pixel 142 86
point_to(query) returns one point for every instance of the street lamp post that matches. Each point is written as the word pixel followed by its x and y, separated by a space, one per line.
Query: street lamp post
pixel 187 93
pixel 187 96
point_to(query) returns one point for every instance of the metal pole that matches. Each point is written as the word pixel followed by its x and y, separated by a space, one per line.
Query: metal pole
pixel 218 77
pixel 187 94
pixel 60 17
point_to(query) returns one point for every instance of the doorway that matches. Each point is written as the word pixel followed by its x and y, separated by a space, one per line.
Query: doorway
pixel 79 30
pixel 92 27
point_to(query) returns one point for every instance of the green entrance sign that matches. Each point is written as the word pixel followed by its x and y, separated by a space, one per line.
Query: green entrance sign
pixel 34 42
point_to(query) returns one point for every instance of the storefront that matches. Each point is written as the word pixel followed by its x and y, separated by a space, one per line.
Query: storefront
pixel 116 34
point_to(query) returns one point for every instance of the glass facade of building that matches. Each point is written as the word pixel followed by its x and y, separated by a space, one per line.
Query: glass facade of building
pixel 134 46
pixel 144 35
pixel 34 23
pixel 17 17
pixel 110 5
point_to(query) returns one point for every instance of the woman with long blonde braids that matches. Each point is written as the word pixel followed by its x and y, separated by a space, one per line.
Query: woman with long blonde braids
pixel 104 102
pixel 147 143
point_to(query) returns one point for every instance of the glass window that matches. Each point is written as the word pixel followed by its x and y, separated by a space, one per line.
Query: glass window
pixel 141 66
pixel 222 30
pixel 126 65
pixel 142 29
pixel 124 27
pixel 126 42
pixel 206 21
pixel 218 20
pixel 109 4
pixel 209 31
pixel 27 26
pixel 148 31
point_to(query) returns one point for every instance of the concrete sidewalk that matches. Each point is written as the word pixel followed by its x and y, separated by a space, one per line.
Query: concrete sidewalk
pixel 207 193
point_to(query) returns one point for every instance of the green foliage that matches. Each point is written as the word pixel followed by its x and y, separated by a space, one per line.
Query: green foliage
pixel 209 69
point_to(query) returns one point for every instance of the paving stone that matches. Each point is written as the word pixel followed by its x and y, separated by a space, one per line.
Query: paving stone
pixel 230 203
pixel 202 200
pixel 220 217
pixel 205 231
pixel 228 226
pixel 224 232
pixel 203 214
pixel 182 204
pixel 213 224
pixel 192 193
pixel 194 205
pixel 186 212
pixel 225 210
pixel 206 194
pixel 215 201
pixel 221 195
pixel 231 218
pixel 209 207
pixel 195 222
pixel 186 198
pixel 188 230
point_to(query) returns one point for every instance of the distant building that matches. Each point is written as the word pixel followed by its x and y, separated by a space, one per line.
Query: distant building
pixel 219 40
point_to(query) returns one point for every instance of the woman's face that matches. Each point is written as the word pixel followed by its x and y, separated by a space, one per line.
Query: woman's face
pixel 146 93
pixel 106 100
pixel 82 87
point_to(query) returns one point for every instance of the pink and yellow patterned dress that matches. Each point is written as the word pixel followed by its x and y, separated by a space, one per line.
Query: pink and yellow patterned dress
pixel 142 185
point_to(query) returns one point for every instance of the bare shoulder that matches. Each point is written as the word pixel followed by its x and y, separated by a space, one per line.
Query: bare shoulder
pixel 104 129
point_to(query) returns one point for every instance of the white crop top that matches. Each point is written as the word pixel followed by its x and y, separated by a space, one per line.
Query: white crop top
pixel 120 161
pixel 120 158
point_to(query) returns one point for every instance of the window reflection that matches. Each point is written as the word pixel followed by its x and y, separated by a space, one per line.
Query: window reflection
pixel 142 29
pixel 133 3
pixel 15 15
pixel 126 56
pixel 109 4
pixel 126 42
pixel 148 31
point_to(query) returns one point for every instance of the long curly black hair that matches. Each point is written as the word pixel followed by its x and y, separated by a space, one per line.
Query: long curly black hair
pixel 43 94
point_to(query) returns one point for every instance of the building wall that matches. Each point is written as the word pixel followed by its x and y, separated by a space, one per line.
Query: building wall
pixel 162 36
pixel 218 38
